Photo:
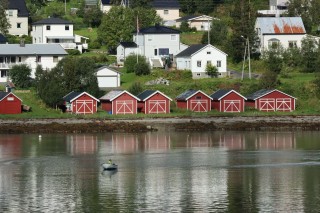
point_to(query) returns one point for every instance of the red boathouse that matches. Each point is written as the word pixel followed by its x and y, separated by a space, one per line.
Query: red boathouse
pixel 194 100
pixel 119 102
pixel 228 100
pixel 271 100
pixel 153 102
pixel 80 103
pixel 9 103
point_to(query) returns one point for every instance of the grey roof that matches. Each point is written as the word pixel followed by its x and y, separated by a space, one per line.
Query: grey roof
pixel 281 25
pixel 186 94
pixel 145 94
pixel 220 93
pixel 52 20
pixel 191 50
pixel 128 44
pixel 71 96
pixel 32 49
pixel 258 94
pixel 157 29
pixel 165 4
pixel 114 94
pixel 3 39
pixel 19 5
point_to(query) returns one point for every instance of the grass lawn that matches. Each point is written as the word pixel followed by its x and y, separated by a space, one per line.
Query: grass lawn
pixel 90 33
pixel 191 38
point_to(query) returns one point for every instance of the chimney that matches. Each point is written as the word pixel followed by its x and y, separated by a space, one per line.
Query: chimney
pixel 22 42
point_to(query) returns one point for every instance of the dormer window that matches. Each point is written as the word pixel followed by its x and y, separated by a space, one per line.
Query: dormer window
pixel 48 27
pixel 66 27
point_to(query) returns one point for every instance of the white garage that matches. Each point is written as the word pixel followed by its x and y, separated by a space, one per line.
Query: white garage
pixel 108 77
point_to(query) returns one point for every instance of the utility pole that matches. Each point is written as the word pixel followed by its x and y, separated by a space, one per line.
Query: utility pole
pixel 208 31
pixel 249 57
pixel 244 59
pixel 247 45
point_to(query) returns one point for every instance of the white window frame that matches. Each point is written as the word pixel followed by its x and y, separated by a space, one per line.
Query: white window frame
pixel 219 63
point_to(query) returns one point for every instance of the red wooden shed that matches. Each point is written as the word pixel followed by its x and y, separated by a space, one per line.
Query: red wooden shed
pixel 119 102
pixel 194 100
pixel 154 102
pixel 227 100
pixel 9 103
pixel 271 100
pixel 80 103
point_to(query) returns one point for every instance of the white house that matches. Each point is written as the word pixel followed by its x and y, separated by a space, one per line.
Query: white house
pixel 201 23
pixel 105 5
pixel 196 57
pixel 17 14
pixel 155 43
pixel 108 77
pixel 276 8
pixel 56 30
pixel 168 10
pixel 125 49
pixel 46 55
pixel 275 31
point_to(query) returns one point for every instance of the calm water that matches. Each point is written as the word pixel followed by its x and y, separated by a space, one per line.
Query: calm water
pixel 161 172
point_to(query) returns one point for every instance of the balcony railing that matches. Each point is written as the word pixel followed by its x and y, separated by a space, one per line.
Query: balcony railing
pixel 68 45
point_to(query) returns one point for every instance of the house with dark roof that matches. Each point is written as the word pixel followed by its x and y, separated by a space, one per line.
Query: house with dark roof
pixel 153 102
pixel 118 102
pixel 154 42
pixel 197 57
pixel 80 103
pixel 3 39
pixel 274 32
pixel 228 100
pixel 168 10
pixel 271 100
pixel 105 5
pixel 199 22
pixel 194 100
pixel 46 55
pixel 18 15
pixel 57 30
pixel 10 103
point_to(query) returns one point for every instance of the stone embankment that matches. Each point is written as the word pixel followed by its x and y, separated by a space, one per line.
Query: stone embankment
pixel 242 123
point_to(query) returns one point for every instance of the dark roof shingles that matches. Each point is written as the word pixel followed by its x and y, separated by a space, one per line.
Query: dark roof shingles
pixel 191 50
pixel 52 20
pixel 220 93
pixel 258 94
pixel 165 4
pixel 157 29
pixel 145 94
pixel 71 96
pixel 19 5
pixel 183 96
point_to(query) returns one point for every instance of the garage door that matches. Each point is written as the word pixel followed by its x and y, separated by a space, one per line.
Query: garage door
pixel 267 104
pixel 199 105
pixel 125 107
pixel 107 81
pixel 283 104
pixel 156 107
pixel 84 107
pixel 231 106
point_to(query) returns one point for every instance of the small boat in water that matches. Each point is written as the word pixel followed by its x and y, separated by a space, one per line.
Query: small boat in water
pixel 109 166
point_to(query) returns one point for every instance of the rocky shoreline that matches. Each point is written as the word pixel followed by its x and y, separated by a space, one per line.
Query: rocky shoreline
pixel 240 123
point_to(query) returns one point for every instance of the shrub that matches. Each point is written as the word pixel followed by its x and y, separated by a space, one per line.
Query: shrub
pixel 20 75
pixel 94 44
pixel 135 88
pixel 142 68
pixel 73 52
pixel 131 61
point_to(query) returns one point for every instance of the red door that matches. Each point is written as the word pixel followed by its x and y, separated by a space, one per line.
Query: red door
pixel 283 104
pixel 124 107
pixel 267 104
pixel 156 107
pixel 84 107
pixel 199 105
pixel 232 106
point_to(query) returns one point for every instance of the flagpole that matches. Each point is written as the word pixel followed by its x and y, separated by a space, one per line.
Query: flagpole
pixel 137 37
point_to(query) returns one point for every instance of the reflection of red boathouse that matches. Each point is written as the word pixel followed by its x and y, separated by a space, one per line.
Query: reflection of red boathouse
pixel 82 144
pixel 232 141
pixel 10 145
pixel 276 140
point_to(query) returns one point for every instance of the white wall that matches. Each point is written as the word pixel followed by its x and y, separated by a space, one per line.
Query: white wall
pixel 284 40
pixel 40 31
pixel 168 14
pixel 157 41
pixel 14 20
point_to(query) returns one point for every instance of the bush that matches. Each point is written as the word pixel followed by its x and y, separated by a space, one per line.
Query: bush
pixel 131 61
pixel 142 68
pixel 20 75
pixel 94 44
pixel 73 52
pixel 135 88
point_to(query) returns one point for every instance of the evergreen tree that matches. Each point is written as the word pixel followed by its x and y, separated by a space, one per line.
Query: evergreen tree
pixel 4 22
pixel 188 6
pixel 218 33
pixel 309 54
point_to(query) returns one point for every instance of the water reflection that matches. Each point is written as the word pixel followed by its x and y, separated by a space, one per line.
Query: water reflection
pixel 161 172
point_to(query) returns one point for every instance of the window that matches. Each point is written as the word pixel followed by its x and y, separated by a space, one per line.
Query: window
pixel 13 59
pixel 198 63
pixel 55 59
pixel 208 62
pixel 198 97
pixel 208 53
pixel 19 59
pixel 198 74
pixel 292 44
pixel 10 12
pixel 38 58
pixel 218 63
pixel 274 43
pixel 173 37
pixel 10 98
pixel 66 27
pixel 166 12
pixel 3 73
pixel 155 51
pixel 48 27
pixel 163 51
pixel 18 25
pixel 1 59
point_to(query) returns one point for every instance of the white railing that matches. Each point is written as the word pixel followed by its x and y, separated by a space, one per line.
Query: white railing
pixel 68 45
pixel 272 12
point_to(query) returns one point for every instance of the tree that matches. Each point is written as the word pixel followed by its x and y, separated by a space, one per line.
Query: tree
pixel 273 59
pixel 211 70
pixel 204 6
pixel 218 33
pixel 4 22
pixel 242 28
pixel 184 27
pixel 140 3
pixel 188 6
pixel 21 75
pixel 302 8
pixel 269 80
pixel 309 54
pixel 92 16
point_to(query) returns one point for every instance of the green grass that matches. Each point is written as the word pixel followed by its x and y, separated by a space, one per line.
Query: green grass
pixel 191 38
pixel 90 33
